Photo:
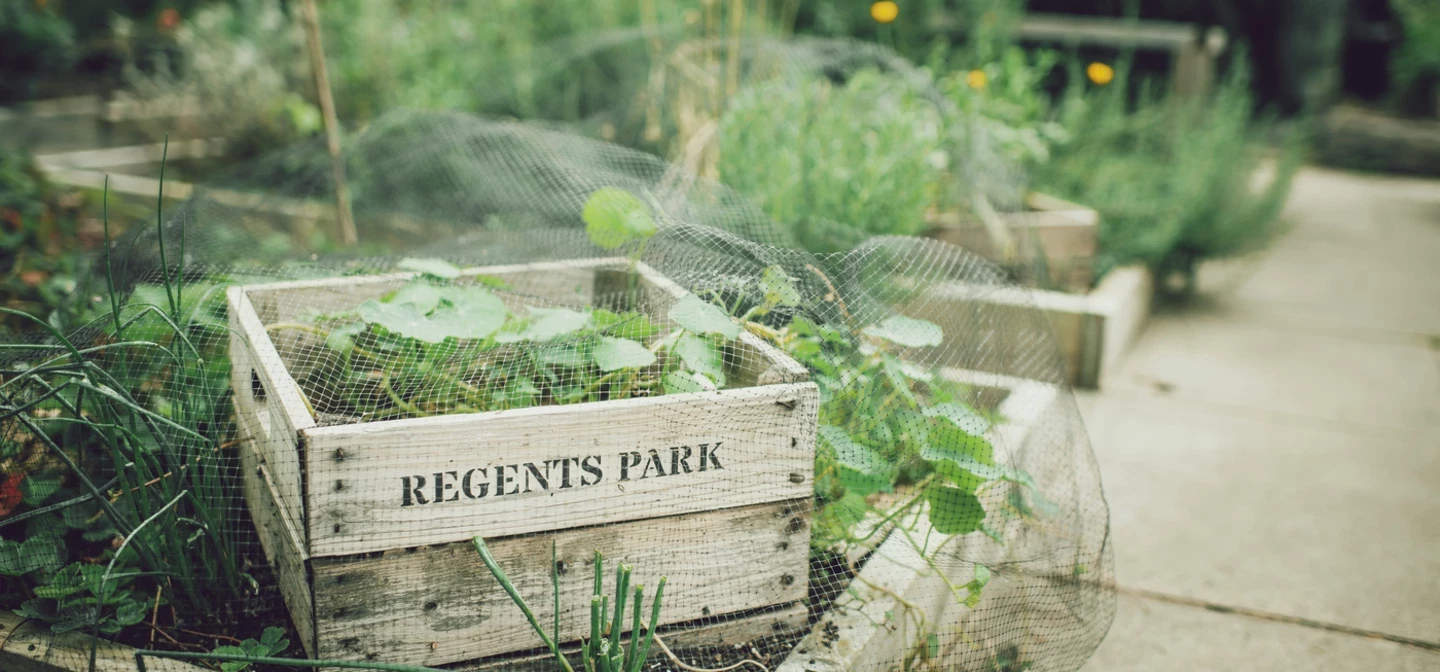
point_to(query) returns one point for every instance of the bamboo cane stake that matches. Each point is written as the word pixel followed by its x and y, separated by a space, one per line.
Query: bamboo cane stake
pixel 332 124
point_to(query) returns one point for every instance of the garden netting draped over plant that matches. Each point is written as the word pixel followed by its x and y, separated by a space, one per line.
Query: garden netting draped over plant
pixel 553 371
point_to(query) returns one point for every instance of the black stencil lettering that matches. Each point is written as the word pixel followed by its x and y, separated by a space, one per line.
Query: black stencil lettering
pixel 466 483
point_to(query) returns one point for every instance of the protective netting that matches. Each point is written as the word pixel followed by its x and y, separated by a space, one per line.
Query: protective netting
pixel 857 460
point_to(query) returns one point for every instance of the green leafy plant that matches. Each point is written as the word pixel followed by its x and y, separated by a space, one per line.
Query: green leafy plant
pixel 884 421
pixel 1415 67
pixel 834 164
pixel 140 402
pixel 80 596
pixel 447 343
pixel 1172 179
pixel 605 649
pixel 271 642
pixel 34 42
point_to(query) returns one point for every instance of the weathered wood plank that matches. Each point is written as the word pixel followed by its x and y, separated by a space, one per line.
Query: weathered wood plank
pixel 279 538
pixel 438 604
pixel 269 400
pixel 869 628
pixel 196 148
pixel 30 646
pixel 1092 330
pixel 784 620
pixel 1125 297
pixel 374 485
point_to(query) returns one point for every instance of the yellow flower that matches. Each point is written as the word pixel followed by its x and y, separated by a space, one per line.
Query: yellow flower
pixel 1100 73
pixel 884 11
pixel 976 79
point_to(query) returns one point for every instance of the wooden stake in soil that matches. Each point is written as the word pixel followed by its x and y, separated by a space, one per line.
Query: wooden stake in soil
pixel 332 124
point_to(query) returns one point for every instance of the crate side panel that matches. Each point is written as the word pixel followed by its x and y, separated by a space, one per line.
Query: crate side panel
pixel 408 483
pixel 268 402
pixel 278 541
pixel 439 604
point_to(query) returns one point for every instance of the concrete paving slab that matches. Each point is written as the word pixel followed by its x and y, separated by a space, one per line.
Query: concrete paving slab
pixel 1154 636
pixel 1213 358
pixel 1360 251
pixel 1286 517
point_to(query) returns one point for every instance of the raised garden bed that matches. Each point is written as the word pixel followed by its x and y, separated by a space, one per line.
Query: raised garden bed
pixel 372 566
pixel 1093 329
pixel 1051 243
pixel 1053 248
pixel 30 646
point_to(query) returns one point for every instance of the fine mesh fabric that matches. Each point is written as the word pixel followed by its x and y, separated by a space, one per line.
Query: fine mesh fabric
pixel 858 460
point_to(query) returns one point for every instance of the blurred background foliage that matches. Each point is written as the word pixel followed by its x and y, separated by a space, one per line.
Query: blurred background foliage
pixel 834 155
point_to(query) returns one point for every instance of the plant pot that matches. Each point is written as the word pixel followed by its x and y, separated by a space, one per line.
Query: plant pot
pixel 368 525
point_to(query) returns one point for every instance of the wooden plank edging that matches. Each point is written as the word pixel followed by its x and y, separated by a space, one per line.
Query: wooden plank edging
pixel 30 646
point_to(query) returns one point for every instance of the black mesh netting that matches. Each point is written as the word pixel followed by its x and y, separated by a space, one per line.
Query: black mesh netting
pixel 858 460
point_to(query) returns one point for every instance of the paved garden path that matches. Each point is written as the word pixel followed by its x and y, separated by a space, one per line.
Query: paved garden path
pixel 1272 455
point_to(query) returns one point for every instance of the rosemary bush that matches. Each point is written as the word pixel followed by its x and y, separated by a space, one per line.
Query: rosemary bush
pixel 1171 178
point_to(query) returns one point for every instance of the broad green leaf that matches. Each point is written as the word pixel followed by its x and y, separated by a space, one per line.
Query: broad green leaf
pixel 635 326
pixel 779 287
pixel 130 613
pixel 342 339
pixel 967 419
pixel 402 319
pixel 702 317
pixel 232 666
pixel 982 578
pixel 953 510
pixel 612 354
pixel 701 355
pixel 273 639
pixel 863 484
pixel 37 489
pixel 547 323
pixel 12 563
pixel 907 332
pixel 478 316
pixel 614 217
pixel 422 295
pixel 41 553
pixel 677 382
pixel 560 355
pixel 946 442
pixel 436 267
pixel 852 453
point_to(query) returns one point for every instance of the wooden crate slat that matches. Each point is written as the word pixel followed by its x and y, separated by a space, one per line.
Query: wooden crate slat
pixel 741 630
pixel 279 539
pixel 439 604
pixel 359 472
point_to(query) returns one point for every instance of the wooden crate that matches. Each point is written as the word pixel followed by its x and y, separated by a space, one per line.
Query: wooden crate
pixel 367 576
pixel 1093 329
pixel 1054 241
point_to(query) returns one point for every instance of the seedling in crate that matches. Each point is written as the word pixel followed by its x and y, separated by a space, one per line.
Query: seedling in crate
pixel 605 650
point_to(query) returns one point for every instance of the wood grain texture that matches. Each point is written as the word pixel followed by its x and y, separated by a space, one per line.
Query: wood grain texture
pixel 1092 331
pixel 869 628
pixel 30 646
pixel 438 604
pixel 267 401
pixel 743 629
pixel 357 502
pixel 1130 293
pixel 280 539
